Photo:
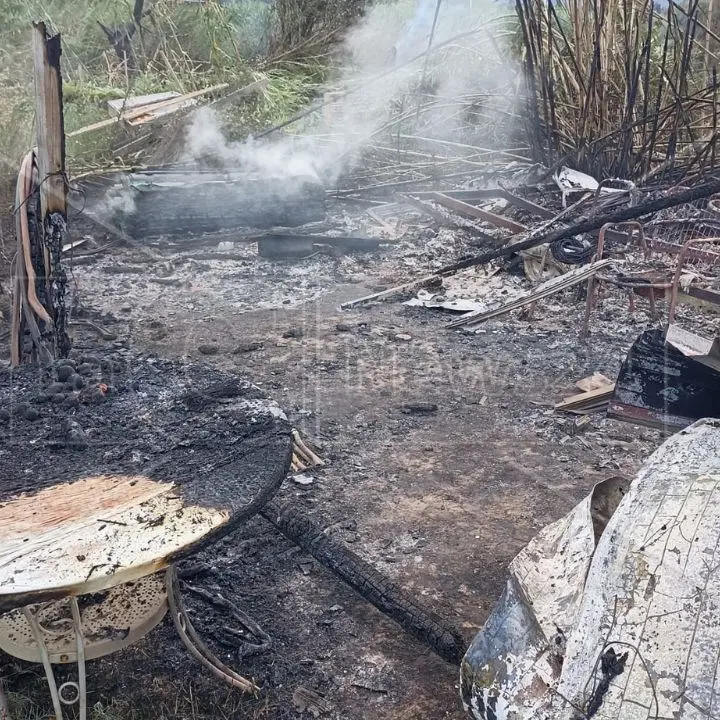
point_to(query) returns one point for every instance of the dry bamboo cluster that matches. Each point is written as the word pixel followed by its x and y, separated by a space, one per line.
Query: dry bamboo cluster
pixel 621 88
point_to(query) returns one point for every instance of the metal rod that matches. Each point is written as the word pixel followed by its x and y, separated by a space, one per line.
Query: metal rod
pixel 80 641
pixel 37 634
pixel 4 706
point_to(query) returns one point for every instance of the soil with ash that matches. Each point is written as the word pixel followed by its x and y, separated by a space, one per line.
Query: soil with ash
pixel 444 457
pixel 118 413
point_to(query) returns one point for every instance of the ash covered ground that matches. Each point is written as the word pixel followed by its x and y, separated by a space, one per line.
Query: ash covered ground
pixel 438 501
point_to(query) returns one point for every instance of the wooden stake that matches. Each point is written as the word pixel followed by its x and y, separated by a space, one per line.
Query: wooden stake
pixel 51 179
pixel 49 121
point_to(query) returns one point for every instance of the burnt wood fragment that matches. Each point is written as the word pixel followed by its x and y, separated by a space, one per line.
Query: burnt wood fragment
pixel 291 247
pixel 388 597
pixel 181 203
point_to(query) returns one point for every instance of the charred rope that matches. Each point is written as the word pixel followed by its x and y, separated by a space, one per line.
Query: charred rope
pixel 384 594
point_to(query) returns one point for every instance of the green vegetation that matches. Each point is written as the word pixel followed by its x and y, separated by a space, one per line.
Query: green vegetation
pixel 180 46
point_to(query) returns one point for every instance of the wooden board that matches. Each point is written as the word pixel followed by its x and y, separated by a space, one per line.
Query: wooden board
pixel 593 382
pixel 587 400
pixel 477 213
pixel 170 460
pixel 94 533
pixel 120 105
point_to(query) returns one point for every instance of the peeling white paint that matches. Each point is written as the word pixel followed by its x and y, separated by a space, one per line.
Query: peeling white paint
pixel 652 591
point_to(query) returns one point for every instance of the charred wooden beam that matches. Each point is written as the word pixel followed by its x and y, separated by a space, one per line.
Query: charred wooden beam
pixel 697 192
pixel 52 181
pixel 38 328
pixel 423 624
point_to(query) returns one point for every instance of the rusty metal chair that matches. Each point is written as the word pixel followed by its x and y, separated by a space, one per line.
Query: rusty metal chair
pixel 685 253
pixel 643 283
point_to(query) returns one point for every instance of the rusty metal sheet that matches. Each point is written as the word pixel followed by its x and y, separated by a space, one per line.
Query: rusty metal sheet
pixel 611 612
pixel 660 387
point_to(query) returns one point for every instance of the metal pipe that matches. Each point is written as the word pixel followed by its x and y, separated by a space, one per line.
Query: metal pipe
pixel 80 641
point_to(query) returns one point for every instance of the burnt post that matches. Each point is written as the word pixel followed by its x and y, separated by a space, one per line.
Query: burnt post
pixel 42 215
pixel 49 121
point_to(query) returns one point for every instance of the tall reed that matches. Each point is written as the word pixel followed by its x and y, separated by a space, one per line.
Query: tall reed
pixel 621 88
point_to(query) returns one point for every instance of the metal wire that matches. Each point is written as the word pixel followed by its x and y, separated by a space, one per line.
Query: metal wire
pixel 574 250
pixel 80 641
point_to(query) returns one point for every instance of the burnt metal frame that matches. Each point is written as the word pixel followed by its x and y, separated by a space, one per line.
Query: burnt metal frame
pixel 684 254
pixel 593 286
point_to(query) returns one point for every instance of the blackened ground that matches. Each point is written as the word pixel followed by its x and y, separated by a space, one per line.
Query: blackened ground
pixel 119 414
pixel 440 501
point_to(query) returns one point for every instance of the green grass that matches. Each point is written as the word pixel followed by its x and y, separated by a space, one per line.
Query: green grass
pixel 184 47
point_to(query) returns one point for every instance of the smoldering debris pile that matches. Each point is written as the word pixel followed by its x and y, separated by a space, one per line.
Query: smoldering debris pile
pixel 405 80
pixel 655 245
pixel 179 202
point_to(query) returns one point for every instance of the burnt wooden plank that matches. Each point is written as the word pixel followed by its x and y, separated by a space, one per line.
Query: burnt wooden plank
pixel 186 202
pixel 474 212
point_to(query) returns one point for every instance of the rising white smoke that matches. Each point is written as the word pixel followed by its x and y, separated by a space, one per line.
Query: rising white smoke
pixel 378 87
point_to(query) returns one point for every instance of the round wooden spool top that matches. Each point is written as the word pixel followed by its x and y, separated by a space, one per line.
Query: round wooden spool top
pixel 113 467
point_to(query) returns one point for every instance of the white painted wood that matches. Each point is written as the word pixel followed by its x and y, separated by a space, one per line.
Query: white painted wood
pixel 652 590
pixel 93 534
pixel 117 106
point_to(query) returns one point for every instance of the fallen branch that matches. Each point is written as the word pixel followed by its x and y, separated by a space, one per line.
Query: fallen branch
pixel 384 594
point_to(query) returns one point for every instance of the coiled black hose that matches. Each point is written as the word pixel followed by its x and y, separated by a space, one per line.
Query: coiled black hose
pixel 574 250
